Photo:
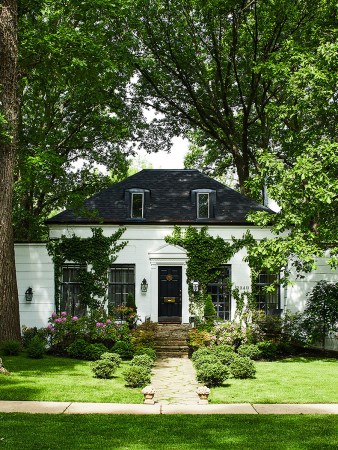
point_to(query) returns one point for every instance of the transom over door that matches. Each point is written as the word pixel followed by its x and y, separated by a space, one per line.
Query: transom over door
pixel 169 294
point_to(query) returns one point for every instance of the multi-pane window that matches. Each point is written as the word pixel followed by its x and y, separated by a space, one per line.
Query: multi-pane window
pixel 121 283
pixel 267 301
pixel 220 293
pixel 137 200
pixel 203 206
pixel 70 288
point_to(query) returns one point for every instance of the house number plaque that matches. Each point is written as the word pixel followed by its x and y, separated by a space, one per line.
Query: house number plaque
pixel 169 299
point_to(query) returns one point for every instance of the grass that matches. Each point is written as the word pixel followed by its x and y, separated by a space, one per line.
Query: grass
pixel 62 379
pixel 43 432
pixel 291 380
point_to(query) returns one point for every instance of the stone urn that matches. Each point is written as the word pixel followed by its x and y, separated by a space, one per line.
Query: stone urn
pixel 148 393
pixel 203 394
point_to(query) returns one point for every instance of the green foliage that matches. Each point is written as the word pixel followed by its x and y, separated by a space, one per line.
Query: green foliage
pixel 130 302
pixel 97 253
pixel 11 347
pixel 104 368
pixel 114 357
pixel 144 335
pixel 198 338
pixel 224 353
pixel 143 361
pixel 123 348
pixel 321 311
pixel 212 373
pixel 137 376
pixel 268 349
pixel 249 350
pixel 200 353
pixel 205 359
pixel 36 348
pixel 205 255
pixel 28 333
pixel 209 311
pixel 146 351
pixel 243 367
pixel 82 349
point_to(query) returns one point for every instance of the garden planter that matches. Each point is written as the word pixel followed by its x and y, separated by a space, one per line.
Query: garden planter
pixel 148 393
pixel 203 394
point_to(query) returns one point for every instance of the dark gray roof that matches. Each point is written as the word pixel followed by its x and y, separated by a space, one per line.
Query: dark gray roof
pixel 170 199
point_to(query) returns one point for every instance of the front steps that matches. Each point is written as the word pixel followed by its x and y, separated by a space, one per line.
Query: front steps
pixel 171 340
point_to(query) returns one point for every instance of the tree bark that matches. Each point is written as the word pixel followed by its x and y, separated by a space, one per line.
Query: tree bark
pixel 9 303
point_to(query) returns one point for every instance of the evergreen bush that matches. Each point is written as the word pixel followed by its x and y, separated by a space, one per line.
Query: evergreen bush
pixel 268 349
pixel 114 357
pixel 11 347
pixel 243 367
pixel 94 351
pixel 104 368
pixel 137 376
pixel 200 352
pixel 143 361
pixel 36 348
pixel 250 350
pixel 209 311
pixel 146 351
pixel 124 349
pixel 212 373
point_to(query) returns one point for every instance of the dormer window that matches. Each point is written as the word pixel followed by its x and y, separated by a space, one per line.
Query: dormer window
pixel 137 204
pixel 137 201
pixel 205 202
pixel 203 205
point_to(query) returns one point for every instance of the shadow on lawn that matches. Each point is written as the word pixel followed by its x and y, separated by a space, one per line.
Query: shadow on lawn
pixel 308 359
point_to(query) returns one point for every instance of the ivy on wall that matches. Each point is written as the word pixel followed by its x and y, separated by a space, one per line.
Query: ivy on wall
pixel 97 253
pixel 205 255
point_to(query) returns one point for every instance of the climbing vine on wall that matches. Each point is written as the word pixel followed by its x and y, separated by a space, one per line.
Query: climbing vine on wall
pixel 205 255
pixel 97 253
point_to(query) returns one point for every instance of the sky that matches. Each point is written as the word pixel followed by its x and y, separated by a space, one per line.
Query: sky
pixel 164 160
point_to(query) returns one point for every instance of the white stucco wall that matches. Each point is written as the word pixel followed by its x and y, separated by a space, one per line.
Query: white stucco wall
pixel 148 251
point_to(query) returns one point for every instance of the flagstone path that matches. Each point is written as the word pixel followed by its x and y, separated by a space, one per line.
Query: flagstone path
pixel 174 380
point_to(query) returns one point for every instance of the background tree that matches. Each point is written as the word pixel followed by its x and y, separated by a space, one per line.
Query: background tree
pixel 75 112
pixel 200 65
pixel 9 305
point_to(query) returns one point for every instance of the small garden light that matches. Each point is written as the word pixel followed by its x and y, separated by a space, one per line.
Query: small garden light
pixel 144 285
pixel 29 294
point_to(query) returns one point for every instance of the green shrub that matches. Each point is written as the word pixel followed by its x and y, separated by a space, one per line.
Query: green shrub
pixel 137 376
pixel 243 367
pixel 212 374
pixel 114 357
pixel 94 351
pixel 209 311
pixel 200 352
pixel 250 350
pixel 146 351
pixel 143 361
pixel 199 338
pixel 104 368
pixel 144 335
pixel 225 353
pixel 205 359
pixel 268 349
pixel 78 349
pixel 11 347
pixel 36 348
pixel 124 349
pixel 29 332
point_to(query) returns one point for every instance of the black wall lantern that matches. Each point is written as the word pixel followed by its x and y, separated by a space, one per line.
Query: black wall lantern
pixel 144 285
pixel 195 286
pixel 29 294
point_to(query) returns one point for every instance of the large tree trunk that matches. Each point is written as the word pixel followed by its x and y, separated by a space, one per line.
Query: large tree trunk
pixel 9 303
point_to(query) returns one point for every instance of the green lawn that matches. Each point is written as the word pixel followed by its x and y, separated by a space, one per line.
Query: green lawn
pixel 182 432
pixel 291 380
pixel 62 379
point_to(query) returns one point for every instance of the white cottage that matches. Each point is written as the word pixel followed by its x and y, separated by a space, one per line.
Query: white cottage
pixel 149 204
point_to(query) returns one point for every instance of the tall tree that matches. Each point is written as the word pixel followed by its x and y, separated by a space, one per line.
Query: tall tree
pixel 200 65
pixel 9 304
pixel 74 107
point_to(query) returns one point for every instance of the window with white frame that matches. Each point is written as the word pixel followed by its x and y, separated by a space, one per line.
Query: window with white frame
pixel 121 284
pixel 70 290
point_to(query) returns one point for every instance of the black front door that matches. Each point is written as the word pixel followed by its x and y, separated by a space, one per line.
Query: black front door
pixel 170 294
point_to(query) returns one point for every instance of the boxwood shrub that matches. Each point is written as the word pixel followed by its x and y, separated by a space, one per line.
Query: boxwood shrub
pixel 243 367
pixel 137 376
pixel 104 368
pixel 212 373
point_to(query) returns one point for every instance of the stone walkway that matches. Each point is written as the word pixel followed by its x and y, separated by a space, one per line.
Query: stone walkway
pixel 174 380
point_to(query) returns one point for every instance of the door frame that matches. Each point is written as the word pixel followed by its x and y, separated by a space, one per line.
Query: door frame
pixel 170 318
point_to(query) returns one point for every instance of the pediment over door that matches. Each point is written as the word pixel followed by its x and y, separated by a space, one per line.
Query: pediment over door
pixel 168 252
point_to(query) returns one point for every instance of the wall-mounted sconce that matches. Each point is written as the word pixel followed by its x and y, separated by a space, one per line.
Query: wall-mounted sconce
pixel 195 286
pixel 144 285
pixel 29 295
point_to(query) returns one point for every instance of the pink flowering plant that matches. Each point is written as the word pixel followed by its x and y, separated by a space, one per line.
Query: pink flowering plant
pixel 230 333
